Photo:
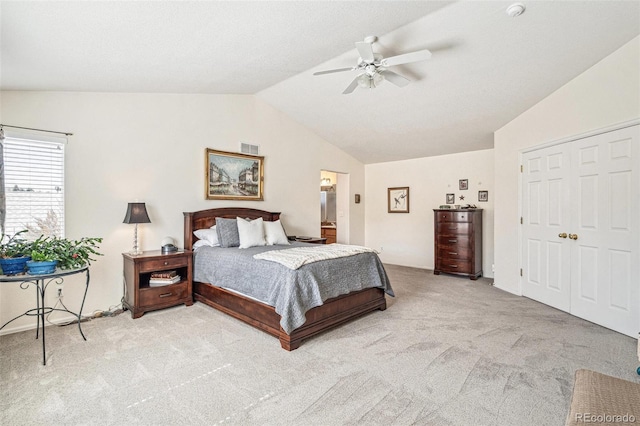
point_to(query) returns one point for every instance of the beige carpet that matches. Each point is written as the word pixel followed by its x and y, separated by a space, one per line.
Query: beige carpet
pixel 447 351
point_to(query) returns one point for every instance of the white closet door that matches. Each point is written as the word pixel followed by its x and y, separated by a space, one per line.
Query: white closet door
pixel 546 216
pixel 605 261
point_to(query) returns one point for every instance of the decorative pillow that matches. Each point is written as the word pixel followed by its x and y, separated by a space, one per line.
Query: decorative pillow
pixel 210 235
pixel 251 233
pixel 227 232
pixel 274 233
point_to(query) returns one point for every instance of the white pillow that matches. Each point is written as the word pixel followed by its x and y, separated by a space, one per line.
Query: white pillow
pixel 274 233
pixel 202 243
pixel 210 235
pixel 251 233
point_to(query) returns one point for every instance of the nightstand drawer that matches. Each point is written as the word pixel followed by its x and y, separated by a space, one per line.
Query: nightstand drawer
pixel 163 264
pixel 168 294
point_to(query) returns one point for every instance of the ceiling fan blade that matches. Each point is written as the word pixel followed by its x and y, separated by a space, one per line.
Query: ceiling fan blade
pixel 406 58
pixel 332 71
pixel 350 88
pixel 395 78
pixel 365 51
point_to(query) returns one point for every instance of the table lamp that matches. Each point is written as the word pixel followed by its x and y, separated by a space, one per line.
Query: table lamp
pixel 136 213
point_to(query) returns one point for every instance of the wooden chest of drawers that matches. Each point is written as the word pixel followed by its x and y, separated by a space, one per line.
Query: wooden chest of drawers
pixel 458 242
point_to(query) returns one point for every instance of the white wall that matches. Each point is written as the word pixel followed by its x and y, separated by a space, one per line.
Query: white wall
pixel 606 94
pixel 407 239
pixel 150 147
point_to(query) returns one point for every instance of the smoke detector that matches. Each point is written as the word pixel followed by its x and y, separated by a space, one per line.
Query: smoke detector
pixel 516 9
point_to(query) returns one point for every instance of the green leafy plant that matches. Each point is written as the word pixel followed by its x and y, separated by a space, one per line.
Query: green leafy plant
pixel 14 246
pixel 70 254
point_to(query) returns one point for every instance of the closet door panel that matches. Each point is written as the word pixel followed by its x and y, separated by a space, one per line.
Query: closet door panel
pixel 546 214
pixel 604 272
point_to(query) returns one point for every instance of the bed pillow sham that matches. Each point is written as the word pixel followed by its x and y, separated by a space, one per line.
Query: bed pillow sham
pixel 251 233
pixel 210 235
pixel 227 230
pixel 274 233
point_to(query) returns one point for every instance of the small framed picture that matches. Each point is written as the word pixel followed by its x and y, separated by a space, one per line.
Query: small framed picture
pixel 451 198
pixel 483 195
pixel 464 184
pixel 398 200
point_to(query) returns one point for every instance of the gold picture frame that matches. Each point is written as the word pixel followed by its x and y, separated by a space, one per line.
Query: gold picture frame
pixel 233 176
pixel 398 199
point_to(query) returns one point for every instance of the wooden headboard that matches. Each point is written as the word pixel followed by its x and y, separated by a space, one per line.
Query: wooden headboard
pixel 207 218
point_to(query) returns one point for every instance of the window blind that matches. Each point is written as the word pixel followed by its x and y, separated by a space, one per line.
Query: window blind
pixel 34 185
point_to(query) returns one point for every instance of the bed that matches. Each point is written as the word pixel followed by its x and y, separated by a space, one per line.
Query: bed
pixel 332 312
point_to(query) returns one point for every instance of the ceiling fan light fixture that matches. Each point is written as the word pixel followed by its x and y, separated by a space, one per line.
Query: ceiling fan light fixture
pixel 372 81
pixel 364 81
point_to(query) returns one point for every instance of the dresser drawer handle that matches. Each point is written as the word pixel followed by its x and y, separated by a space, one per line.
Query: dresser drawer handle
pixel 453 227
pixel 453 266
pixel 166 263
pixel 452 252
pixel 166 294
pixel 453 241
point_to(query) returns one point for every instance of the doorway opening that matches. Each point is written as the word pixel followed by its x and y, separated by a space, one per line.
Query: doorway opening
pixel 334 206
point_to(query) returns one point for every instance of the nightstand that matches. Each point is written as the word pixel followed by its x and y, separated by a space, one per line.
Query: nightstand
pixel 140 296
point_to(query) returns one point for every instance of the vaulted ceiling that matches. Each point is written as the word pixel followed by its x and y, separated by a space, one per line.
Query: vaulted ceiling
pixel 486 68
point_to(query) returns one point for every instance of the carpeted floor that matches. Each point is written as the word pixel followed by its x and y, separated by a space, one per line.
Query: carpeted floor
pixel 447 351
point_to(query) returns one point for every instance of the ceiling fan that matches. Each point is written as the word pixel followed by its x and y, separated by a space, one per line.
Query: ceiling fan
pixel 373 67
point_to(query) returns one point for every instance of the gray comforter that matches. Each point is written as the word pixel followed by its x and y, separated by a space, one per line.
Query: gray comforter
pixel 291 292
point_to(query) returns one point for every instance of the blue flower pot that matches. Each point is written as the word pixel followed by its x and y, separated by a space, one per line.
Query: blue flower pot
pixel 41 268
pixel 14 265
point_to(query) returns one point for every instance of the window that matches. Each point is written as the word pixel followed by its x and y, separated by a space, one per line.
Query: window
pixel 34 185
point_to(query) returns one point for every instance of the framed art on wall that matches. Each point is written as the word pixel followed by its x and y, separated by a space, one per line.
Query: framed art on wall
pixel 233 176
pixel 451 198
pixel 483 195
pixel 463 184
pixel 398 200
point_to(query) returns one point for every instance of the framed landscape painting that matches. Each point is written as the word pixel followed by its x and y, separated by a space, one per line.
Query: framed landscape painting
pixel 233 176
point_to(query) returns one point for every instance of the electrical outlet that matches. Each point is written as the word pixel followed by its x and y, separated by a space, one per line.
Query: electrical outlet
pixel 493 267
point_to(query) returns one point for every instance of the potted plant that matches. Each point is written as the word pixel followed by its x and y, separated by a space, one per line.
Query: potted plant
pixel 14 253
pixel 49 252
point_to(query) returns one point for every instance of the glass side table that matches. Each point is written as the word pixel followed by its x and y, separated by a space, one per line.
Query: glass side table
pixel 41 282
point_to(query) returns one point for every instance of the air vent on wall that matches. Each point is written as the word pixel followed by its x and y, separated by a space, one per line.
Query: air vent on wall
pixel 246 148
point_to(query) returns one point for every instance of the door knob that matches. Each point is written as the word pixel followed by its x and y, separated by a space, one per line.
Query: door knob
pixel 563 235
pixel 573 236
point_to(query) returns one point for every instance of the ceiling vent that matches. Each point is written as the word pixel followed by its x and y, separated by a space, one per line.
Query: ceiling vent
pixel 246 148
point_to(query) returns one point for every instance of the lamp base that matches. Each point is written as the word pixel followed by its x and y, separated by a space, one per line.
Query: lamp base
pixel 135 252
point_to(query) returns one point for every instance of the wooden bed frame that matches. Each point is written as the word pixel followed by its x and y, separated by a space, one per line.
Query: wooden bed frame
pixel 332 313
